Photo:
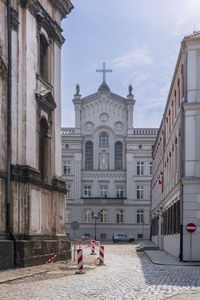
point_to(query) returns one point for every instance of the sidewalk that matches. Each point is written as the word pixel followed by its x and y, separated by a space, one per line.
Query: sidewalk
pixel 161 257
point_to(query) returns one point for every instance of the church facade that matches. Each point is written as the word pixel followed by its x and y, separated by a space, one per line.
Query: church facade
pixel 176 160
pixel 32 193
pixel 107 166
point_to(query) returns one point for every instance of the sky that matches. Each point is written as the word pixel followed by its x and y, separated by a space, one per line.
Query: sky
pixel 138 40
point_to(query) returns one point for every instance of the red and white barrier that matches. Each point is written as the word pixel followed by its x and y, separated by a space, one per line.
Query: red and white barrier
pixel 79 261
pixel 101 255
pixel 93 247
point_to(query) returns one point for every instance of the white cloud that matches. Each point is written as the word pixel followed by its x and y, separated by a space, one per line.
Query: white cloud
pixel 136 58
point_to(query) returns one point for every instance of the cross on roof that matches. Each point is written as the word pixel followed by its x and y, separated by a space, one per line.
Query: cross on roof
pixel 104 71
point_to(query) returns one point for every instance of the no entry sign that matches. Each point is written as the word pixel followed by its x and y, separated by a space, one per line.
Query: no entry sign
pixel 191 227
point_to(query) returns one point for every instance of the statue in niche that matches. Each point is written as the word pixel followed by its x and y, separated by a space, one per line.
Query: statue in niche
pixel 103 160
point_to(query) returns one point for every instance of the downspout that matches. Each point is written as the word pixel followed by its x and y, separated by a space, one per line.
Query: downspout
pixel 8 179
pixel 182 144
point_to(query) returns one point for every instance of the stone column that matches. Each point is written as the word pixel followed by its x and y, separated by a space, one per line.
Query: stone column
pixel 130 107
pixel 77 107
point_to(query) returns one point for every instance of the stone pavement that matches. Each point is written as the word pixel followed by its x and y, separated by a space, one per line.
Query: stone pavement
pixel 126 275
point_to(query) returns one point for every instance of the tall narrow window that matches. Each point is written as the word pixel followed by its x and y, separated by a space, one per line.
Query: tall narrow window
pixel 103 216
pixel 140 168
pixel 140 192
pixel 43 57
pixel 120 216
pixel 118 156
pixel 103 190
pixel 89 156
pixel 67 168
pixel 87 191
pixel 120 191
pixel 68 195
pixel 150 168
pixel 103 139
pixel 140 216
pixel 87 216
pixel 43 147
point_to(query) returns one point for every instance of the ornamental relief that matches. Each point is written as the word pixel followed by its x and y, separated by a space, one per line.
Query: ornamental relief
pixel 89 126
pixel 119 126
pixel 104 117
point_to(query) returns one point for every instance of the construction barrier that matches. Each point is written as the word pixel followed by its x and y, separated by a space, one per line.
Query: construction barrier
pixel 93 247
pixel 101 255
pixel 79 261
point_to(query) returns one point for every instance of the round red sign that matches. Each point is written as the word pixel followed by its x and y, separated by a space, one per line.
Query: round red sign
pixel 191 227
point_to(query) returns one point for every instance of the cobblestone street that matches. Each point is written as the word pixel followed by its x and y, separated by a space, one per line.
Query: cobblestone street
pixel 126 275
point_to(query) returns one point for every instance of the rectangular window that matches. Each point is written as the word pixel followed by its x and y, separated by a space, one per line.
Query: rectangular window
pixel 120 191
pixel 150 168
pixel 87 216
pixel 67 168
pixel 140 192
pixel 140 168
pixel 140 216
pixel 103 236
pixel 140 147
pixel 120 216
pixel 68 195
pixel 103 216
pixel 66 146
pixel 103 191
pixel 87 191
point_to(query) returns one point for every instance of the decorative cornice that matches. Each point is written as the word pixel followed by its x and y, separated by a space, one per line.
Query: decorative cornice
pixel 24 173
pixel 63 6
pixel 44 19
pixel 103 174
pixel 46 102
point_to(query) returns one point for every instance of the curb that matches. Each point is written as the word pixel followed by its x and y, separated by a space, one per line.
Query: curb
pixel 22 277
pixel 184 294
pixel 167 264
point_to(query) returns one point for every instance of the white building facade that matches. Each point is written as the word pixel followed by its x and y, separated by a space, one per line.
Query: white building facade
pixel 176 159
pixel 107 166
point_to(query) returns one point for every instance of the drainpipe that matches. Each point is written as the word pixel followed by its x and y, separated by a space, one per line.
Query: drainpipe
pixel 8 181
pixel 182 162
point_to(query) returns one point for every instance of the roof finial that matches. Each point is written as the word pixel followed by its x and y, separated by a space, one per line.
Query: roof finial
pixel 104 71
pixel 77 90
pixel 130 88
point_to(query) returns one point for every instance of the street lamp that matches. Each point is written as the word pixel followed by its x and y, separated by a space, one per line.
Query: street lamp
pixel 95 217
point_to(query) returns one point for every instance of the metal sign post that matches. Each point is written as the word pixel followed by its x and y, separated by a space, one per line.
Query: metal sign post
pixel 191 227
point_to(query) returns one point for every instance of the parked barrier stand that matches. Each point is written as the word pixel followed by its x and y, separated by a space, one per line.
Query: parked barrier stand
pixel 93 247
pixel 79 262
pixel 101 255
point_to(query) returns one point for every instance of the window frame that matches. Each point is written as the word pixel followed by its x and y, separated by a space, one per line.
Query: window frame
pixel 103 139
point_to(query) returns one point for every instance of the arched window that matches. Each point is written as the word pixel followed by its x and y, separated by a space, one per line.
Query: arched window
pixel 43 147
pixel 118 156
pixel 43 57
pixel 89 156
pixel 103 139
